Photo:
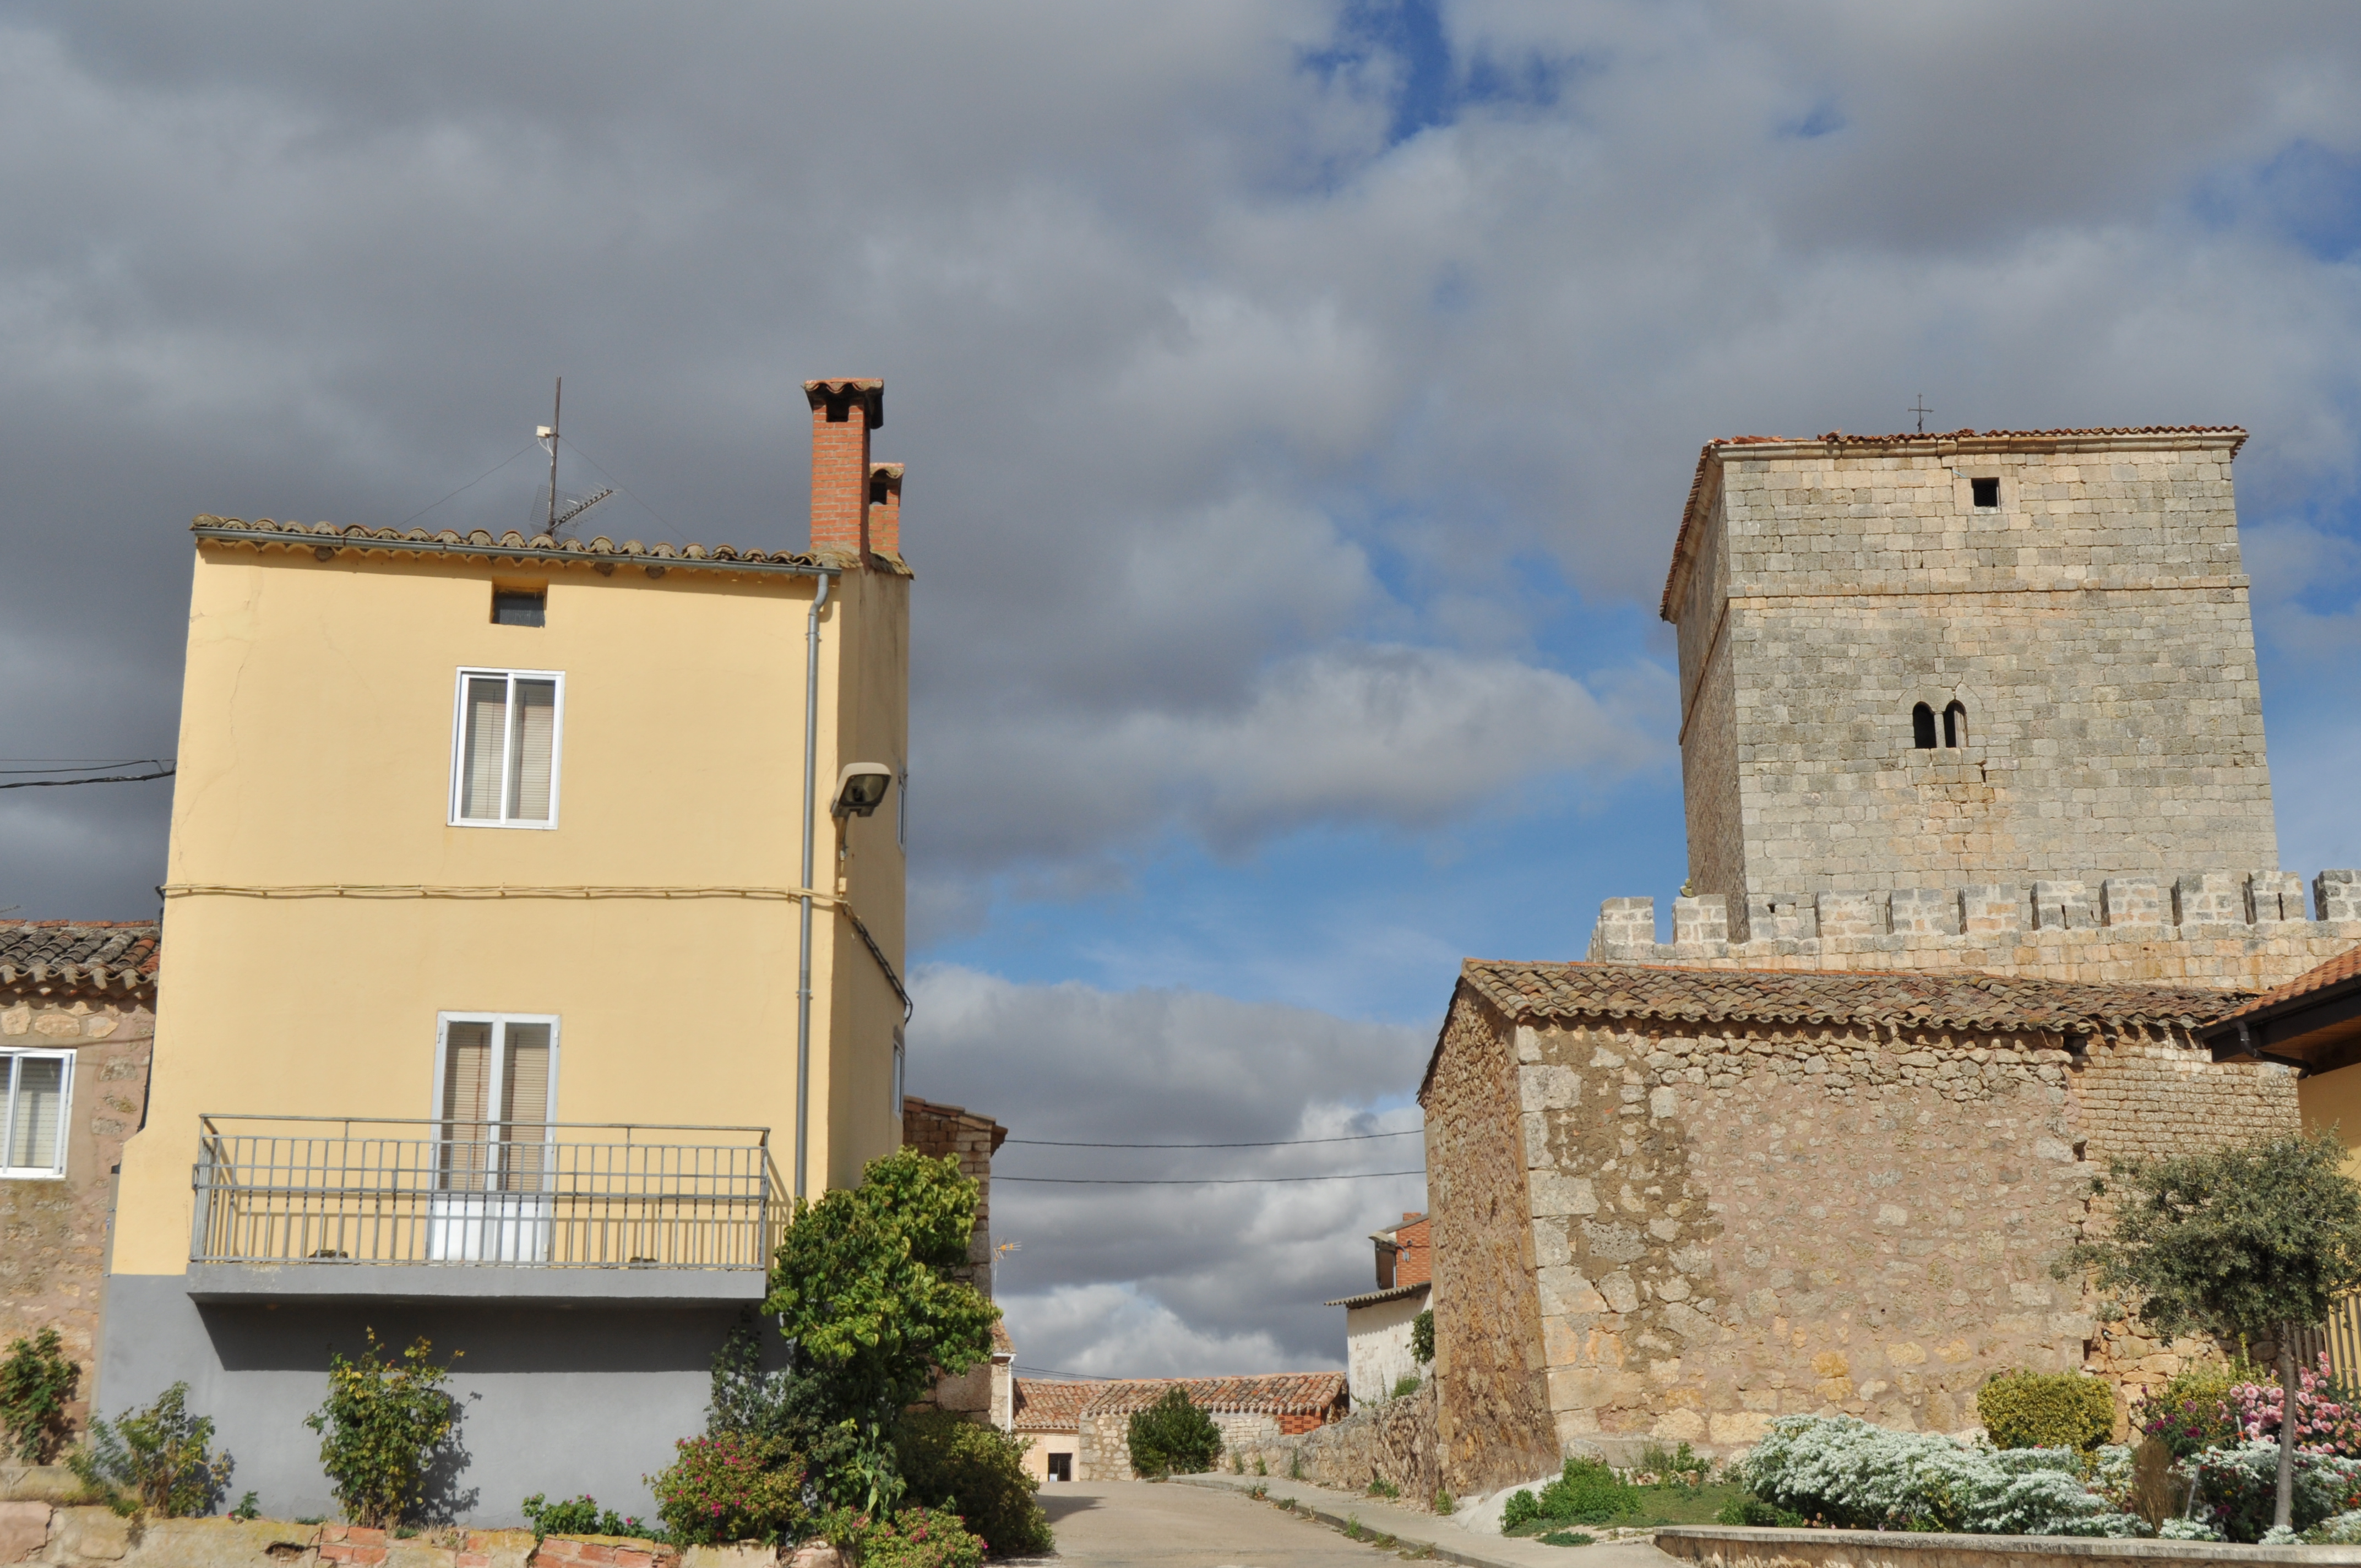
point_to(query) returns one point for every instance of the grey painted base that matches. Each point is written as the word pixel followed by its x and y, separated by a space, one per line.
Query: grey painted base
pixel 556 1400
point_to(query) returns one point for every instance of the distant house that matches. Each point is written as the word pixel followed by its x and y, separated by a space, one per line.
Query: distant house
pixel 1049 1412
pixel 1251 1412
pixel 1377 1323
pixel 77 1023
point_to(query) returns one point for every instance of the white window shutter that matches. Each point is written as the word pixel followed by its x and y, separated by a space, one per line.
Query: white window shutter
pixel 533 749
pixel 483 719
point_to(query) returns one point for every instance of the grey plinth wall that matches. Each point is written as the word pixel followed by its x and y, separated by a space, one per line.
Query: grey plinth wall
pixel 558 1398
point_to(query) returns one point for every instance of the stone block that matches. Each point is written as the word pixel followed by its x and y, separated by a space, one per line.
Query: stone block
pixel 1700 923
pixel 2127 901
pixel 1780 916
pixel 24 1531
pixel 2273 897
pixel 1851 915
pixel 2337 895
pixel 91 1532
pixel 1556 1195
pixel 1549 1088
pixel 1923 912
pixel 2208 898
pixel 2062 906
pixel 1626 929
pixel 1990 910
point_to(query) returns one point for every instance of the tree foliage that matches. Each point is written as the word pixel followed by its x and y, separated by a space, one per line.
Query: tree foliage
pixel 978 1472
pixel 384 1424
pixel 2245 1242
pixel 1421 1337
pixel 1173 1437
pixel 37 1381
pixel 159 1461
pixel 863 1288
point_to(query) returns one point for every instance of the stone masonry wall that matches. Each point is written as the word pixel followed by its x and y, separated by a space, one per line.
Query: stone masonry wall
pixel 1394 1441
pixel 2239 930
pixel 53 1234
pixel 1733 1222
pixel 2094 624
pixel 1494 1423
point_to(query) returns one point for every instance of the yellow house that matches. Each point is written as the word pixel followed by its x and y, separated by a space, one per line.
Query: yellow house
pixel 534 921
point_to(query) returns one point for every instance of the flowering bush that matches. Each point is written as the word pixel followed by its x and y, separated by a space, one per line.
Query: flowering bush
pixel 2337 1530
pixel 733 1488
pixel 917 1538
pixel 2324 1423
pixel 2237 1487
pixel 1848 1473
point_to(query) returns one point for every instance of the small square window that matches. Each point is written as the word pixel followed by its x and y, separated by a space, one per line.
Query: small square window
pixel 530 606
pixel 1987 495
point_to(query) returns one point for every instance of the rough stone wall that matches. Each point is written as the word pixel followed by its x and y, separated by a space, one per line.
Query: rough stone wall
pixel 2096 625
pixel 86 1537
pixel 1710 699
pixel 1494 1423
pixel 938 1130
pixel 2238 930
pixel 1735 1222
pixel 1102 1445
pixel 1395 1440
pixel 53 1234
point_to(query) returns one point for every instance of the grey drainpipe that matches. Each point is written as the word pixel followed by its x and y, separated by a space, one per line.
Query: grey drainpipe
pixel 802 961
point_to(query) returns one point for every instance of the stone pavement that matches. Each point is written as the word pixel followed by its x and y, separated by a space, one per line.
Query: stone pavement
pixel 1411 1528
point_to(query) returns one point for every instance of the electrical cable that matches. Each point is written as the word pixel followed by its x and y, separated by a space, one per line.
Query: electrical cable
pixel 106 778
pixel 1197 1180
pixel 471 484
pixel 1270 1143
pixel 618 484
pixel 80 765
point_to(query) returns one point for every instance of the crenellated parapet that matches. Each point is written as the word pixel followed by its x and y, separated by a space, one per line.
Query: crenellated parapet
pixel 2239 930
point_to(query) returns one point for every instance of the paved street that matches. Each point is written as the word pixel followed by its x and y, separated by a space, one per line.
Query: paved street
pixel 1172 1525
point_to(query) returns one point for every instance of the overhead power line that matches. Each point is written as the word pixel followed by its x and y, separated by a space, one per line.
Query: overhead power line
pixel 1267 1144
pixel 1199 1181
pixel 104 778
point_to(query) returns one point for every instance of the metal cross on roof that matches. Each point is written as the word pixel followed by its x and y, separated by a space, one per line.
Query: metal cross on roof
pixel 1922 411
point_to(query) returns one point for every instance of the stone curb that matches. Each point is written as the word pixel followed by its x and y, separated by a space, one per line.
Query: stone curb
pixel 1445 1542
pixel 1712 1544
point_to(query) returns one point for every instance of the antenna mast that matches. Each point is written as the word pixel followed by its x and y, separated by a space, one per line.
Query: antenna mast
pixel 557 406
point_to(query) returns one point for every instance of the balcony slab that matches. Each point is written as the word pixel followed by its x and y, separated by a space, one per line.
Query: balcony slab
pixel 494 1284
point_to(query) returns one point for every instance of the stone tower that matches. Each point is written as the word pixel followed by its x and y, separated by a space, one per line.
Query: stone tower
pixel 1945 660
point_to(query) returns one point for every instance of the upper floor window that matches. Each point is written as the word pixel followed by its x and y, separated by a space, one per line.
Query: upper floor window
pixel 36 1088
pixel 1952 726
pixel 520 607
pixel 504 750
pixel 1986 491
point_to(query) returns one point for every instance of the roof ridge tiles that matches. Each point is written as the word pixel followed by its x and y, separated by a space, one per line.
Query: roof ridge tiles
pixel 261 532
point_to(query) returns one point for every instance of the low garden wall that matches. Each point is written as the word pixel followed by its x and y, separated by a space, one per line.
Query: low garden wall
pixel 1395 1441
pixel 1717 1547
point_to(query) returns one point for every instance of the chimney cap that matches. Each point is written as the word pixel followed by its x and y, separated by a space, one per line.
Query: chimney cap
pixel 870 390
pixel 885 470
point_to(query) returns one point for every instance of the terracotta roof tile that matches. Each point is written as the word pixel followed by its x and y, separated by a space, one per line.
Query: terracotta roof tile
pixel 1272 1394
pixel 1047 1405
pixel 1373 1297
pixel 99 955
pixel 1955 999
pixel 2346 966
pixel 1938 440
pixel 480 544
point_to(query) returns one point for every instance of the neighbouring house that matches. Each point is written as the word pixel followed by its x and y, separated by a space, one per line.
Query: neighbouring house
pixel 1961 915
pixel 2313 1022
pixel 1047 1413
pixel 77 1022
pixel 1377 1323
pixel 534 920
pixel 983 1393
pixel 1251 1412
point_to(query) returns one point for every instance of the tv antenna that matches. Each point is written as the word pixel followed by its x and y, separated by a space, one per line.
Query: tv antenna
pixel 547 435
pixel 1918 408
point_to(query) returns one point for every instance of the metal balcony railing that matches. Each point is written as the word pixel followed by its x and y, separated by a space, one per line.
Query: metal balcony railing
pixel 326 1190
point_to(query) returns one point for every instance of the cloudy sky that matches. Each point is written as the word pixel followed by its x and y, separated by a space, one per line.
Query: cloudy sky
pixel 1298 398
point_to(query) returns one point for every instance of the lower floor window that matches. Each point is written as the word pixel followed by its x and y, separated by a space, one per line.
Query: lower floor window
pixel 34 1088
pixel 1061 1467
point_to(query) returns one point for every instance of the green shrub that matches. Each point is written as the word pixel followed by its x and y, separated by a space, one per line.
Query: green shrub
pixel 579 1516
pixel 2046 1410
pixel 1565 1538
pixel 1671 1467
pixel 1521 1509
pixel 1381 1487
pixel 733 1488
pixel 37 1381
pixel 158 1460
pixel 1587 1492
pixel 918 1537
pixel 1405 1385
pixel 1752 1509
pixel 1173 1437
pixel 1444 1504
pixel 978 1472
pixel 1421 1337
pixel 384 1424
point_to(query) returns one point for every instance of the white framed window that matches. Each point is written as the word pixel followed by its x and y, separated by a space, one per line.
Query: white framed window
pixel 508 730
pixel 495 1093
pixel 35 1094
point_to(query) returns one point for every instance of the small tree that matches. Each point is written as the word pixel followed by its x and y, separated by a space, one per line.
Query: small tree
pixel 37 1381
pixel 159 1460
pixel 863 1290
pixel 383 1425
pixel 1173 1436
pixel 2256 1241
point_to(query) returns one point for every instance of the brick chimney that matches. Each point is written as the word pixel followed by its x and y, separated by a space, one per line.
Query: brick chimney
pixel 885 508
pixel 844 410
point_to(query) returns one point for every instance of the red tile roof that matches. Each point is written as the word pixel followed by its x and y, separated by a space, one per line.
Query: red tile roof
pixel 1047 1405
pixel 2346 966
pixel 99 955
pixel 1272 1394
pixel 1936 440
pixel 1373 1297
pixel 1955 999
pixel 479 544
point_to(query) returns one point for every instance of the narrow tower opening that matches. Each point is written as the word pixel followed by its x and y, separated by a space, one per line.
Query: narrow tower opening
pixel 1922 728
